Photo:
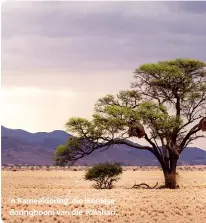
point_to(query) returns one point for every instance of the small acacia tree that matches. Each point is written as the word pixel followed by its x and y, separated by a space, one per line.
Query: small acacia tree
pixel 104 174
pixel 166 106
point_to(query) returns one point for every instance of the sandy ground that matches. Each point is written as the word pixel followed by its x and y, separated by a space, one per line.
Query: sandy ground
pixel 187 204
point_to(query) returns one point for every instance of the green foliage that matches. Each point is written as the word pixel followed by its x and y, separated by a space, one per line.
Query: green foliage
pixel 166 98
pixel 128 98
pixel 59 154
pixel 104 174
pixel 84 128
pixel 64 153
pixel 158 87
pixel 168 79
pixel 156 117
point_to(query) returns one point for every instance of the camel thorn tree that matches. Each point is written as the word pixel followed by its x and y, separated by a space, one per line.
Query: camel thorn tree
pixel 166 106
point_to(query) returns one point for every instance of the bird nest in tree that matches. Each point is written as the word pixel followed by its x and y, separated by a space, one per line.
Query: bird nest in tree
pixel 202 124
pixel 136 129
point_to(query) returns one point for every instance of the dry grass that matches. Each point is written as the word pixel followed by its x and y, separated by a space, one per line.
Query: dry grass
pixel 185 205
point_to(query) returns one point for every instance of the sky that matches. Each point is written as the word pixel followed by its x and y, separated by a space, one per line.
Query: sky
pixel 58 58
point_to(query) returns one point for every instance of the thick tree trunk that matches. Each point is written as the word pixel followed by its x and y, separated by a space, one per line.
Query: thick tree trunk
pixel 170 180
pixel 168 162
pixel 170 174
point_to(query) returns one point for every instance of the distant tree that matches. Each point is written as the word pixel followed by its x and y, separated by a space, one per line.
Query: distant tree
pixel 104 174
pixel 166 106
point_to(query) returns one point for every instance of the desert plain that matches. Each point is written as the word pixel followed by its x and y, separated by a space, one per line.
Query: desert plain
pixel 52 188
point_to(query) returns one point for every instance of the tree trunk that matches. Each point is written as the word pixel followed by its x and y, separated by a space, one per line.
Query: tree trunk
pixel 170 180
pixel 168 163
pixel 170 174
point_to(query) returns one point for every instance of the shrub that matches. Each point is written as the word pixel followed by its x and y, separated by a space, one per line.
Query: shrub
pixel 104 174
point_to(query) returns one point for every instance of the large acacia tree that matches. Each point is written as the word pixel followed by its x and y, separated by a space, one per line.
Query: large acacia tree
pixel 166 106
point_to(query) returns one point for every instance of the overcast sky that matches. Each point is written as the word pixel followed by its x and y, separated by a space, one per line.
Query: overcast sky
pixel 58 58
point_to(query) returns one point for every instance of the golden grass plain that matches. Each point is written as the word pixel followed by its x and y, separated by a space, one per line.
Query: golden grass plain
pixel 184 205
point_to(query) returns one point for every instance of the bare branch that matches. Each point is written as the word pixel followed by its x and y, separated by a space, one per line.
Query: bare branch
pixel 193 130
pixel 76 155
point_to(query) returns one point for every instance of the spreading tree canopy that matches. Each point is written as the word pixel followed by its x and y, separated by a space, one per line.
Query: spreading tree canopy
pixel 166 105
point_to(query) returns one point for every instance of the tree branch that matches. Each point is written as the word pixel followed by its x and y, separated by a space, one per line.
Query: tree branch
pixel 80 153
pixel 132 144
pixel 192 131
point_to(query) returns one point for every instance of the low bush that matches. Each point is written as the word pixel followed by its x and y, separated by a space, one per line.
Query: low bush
pixel 104 174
